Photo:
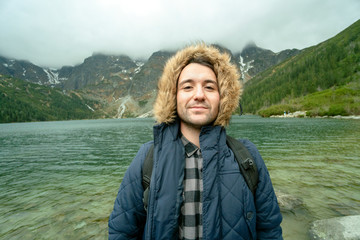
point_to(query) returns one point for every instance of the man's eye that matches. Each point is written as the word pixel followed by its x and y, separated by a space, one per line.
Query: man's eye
pixel 210 87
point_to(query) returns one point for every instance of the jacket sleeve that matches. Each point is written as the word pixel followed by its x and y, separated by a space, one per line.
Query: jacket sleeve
pixel 268 215
pixel 128 217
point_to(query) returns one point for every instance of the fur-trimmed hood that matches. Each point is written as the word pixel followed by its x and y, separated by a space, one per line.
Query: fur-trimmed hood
pixel 227 76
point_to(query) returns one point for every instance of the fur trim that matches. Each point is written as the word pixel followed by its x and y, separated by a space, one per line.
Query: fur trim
pixel 227 76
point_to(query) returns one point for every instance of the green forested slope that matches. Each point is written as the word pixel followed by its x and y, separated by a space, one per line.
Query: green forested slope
pixel 343 100
pixel 331 64
pixel 22 101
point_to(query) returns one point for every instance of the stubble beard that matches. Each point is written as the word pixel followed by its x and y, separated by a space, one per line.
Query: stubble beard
pixel 190 121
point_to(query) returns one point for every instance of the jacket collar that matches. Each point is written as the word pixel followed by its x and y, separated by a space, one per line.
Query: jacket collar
pixel 173 129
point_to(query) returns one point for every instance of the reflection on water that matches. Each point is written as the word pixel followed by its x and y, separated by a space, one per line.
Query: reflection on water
pixel 61 178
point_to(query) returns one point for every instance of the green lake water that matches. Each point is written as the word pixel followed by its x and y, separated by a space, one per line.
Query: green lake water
pixel 59 180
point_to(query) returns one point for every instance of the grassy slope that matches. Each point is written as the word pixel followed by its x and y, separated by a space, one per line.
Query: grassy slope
pixel 344 100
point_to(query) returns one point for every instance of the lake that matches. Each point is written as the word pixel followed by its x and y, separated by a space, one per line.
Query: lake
pixel 60 179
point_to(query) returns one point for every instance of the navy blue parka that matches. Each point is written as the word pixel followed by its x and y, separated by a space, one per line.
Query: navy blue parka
pixel 230 211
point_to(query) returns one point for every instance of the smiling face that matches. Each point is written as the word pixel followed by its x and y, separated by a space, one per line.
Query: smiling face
pixel 197 96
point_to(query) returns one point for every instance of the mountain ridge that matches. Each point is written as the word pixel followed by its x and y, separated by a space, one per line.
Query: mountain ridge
pixel 123 87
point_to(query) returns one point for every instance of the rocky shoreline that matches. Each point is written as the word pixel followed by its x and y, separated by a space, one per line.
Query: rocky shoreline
pixel 303 114
pixel 344 228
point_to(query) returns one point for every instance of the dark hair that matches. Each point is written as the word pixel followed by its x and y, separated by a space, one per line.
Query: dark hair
pixel 202 61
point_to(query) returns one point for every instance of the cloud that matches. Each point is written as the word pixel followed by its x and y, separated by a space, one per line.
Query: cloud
pixel 64 32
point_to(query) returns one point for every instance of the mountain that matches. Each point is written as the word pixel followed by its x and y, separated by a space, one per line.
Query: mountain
pixel 331 64
pixel 254 60
pixel 146 79
pixel 26 71
pixel 112 70
pixel 120 86
pixel 23 101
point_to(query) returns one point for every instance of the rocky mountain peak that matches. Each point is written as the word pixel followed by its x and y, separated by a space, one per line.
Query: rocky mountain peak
pixel 259 59
pixel 24 70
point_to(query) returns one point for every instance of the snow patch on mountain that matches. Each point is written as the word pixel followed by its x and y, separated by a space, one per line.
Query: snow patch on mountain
pixel 90 108
pixel 244 67
pixel 139 66
pixel 53 76
pixel 10 63
pixel 122 107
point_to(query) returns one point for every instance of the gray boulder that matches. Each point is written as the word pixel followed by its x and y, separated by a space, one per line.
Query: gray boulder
pixel 344 228
pixel 287 202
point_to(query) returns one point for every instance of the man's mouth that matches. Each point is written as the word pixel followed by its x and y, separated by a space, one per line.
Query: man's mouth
pixel 198 107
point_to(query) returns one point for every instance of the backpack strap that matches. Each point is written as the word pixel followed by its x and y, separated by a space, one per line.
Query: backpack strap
pixel 246 163
pixel 146 174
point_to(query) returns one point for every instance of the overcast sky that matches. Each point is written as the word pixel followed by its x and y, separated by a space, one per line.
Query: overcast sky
pixel 55 33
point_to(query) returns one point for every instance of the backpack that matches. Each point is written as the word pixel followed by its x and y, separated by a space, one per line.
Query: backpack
pixel 246 163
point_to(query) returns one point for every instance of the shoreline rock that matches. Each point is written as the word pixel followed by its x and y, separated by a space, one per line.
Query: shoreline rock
pixel 287 202
pixel 345 228
pixel 291 115
pixel 347 117
pixel 302 114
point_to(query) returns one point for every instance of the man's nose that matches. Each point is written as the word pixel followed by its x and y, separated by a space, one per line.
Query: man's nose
pixel 199 93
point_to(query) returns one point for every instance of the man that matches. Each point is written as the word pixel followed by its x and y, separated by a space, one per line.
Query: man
pixel 196 189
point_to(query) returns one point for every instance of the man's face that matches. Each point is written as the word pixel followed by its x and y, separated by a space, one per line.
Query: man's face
pixel 197 96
